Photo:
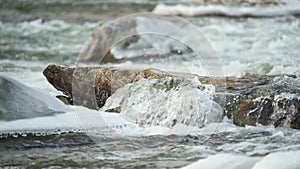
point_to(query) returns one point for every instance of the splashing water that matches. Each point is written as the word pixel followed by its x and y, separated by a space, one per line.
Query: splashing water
pixel 166 102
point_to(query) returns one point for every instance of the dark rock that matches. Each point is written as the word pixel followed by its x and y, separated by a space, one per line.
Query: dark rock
pixel 60 77
pixel 66 100
pixel 273 102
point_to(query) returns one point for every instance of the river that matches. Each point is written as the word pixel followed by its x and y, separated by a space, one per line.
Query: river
pixel 35 34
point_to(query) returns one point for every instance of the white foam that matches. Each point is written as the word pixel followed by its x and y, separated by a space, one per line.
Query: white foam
pixel 232 11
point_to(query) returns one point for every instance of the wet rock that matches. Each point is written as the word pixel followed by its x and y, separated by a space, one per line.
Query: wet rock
pixel 60 77
pixel 133 37
pixel 107 35
pixel 66 100
pixel 274 102
pixel 91 86
pixel 248 100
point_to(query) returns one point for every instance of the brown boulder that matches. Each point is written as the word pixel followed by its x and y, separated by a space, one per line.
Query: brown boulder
pixel 91 86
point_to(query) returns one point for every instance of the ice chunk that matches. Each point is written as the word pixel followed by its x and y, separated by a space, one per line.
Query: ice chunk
pixel 18 101
pixel 224 161
pixel 280 160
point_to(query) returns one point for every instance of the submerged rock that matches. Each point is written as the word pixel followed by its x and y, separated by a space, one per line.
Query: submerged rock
pixel 18 101
pixel 107 35
pixel 135 36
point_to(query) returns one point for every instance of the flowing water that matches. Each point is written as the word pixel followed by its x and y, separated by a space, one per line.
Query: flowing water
pixel 259 46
